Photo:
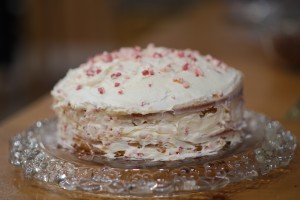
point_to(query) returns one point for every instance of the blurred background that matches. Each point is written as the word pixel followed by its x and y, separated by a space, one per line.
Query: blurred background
pixel 41 39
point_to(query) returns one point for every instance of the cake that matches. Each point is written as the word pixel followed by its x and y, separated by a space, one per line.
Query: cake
pixel 154 103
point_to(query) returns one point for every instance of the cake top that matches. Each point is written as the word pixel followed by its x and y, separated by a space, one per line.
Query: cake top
pixel 144 81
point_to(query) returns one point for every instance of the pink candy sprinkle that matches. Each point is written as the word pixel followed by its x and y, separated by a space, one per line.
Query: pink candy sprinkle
pixel 101 90
pixel 120 92
pixel 216 63
pixel 140 154
pixel 90 72
pixel 98 71
pixel 117 84
pixel 185 67
pixel 137 48
pixel 145 72
pixel 166 68
pixel 143 103
pixel 193 58
pixel 180 54
pixel 198 72
pixel 157 55
pixel 185 84
pixel 106 57
pixel 208 58
pixel 79 87
pixel 116 75
pixel 151 72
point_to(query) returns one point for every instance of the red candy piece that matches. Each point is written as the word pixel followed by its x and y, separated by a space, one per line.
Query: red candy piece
pixel 101 90
pixel 78 87
pixel 145 72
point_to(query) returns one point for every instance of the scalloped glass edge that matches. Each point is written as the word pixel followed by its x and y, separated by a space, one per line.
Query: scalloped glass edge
pixel 274 148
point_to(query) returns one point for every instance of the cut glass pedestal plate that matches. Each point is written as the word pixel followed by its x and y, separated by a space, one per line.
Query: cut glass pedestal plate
pixel 266 145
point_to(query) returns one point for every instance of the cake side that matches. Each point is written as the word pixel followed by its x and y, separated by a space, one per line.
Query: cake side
pixel 161 136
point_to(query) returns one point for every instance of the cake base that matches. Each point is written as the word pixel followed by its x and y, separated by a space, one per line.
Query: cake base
pixel 266 146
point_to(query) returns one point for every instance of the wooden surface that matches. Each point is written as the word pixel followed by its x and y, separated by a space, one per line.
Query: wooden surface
pixel 269 88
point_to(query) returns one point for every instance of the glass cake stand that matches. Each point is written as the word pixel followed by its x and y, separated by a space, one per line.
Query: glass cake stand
pixel 266 145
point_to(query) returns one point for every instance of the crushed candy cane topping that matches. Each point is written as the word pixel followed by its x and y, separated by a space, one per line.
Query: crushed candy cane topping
pixel 153 75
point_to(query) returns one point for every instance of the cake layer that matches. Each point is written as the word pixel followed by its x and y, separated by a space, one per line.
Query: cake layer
pixel 191 132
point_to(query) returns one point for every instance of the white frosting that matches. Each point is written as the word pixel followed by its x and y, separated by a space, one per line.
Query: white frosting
pixel 151 80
